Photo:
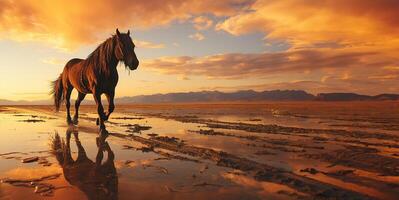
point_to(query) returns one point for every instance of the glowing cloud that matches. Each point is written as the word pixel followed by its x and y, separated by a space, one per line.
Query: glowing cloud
pixel 69 24
pixel 238 65
pixel 329 23
pixel 146 44
pixel 197 36
pixel 202 23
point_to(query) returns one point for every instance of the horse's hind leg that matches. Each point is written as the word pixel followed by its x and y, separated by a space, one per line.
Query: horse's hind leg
pixel 80 98
pixel 68 92
pixel 111 105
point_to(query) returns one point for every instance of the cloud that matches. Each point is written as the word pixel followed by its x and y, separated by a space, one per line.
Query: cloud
pixel 314 70
pixel 197 36
pixel 239 65
pixel 202 23
pixel 333 44
pixel 149 45
pixel 54 61
pixel 384 77
pixel 70 24
pixel 350 45
pixel 392 68
pixel 183 78
pixel 325 23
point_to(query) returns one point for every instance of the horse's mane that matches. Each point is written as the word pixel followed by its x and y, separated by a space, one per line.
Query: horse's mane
pixel 102 56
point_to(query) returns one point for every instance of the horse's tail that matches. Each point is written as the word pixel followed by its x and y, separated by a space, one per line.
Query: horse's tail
pixel 57 92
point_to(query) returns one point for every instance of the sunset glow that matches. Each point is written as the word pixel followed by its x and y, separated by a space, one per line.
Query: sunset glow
pixel 225 45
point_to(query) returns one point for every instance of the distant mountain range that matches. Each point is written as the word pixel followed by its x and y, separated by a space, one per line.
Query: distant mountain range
pixel 354 97
pixel 206 96
pixel 245 95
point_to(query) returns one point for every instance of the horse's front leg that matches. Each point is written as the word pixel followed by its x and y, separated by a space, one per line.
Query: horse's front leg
pixel 111 106
pixel 100 110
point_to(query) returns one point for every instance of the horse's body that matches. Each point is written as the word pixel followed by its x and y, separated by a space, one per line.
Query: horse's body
pixel 97 75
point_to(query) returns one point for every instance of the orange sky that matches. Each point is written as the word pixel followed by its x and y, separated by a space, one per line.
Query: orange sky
pixel 315 45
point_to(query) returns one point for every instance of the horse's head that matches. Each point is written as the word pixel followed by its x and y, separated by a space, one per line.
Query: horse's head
pixel 124 50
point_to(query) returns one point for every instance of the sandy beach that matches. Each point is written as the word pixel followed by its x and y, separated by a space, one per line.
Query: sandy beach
pixel 302 150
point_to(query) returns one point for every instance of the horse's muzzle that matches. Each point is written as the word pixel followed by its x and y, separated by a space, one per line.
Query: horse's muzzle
pixel 134 65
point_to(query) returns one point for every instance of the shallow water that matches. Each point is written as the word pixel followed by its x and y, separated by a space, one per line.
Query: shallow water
pixel 202 151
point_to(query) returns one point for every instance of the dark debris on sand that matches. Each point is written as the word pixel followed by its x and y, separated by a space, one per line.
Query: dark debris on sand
pixel 136 128
pixel 310 170
pixel 30 159
pixel 128 118
pixel 361 158
pixel 32 120
pixel 39 185
pixel 277 129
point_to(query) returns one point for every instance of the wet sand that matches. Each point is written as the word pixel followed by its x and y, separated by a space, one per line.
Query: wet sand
pixel 302 150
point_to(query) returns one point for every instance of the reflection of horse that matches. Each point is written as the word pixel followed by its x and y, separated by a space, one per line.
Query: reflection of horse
pixel 96 74
pixel 98 180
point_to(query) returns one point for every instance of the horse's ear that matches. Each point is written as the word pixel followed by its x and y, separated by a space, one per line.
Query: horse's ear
pixel 117 32
pixel 128 32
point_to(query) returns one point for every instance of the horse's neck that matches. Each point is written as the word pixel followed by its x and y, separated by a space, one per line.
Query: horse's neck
pixel 112 64
pixel 110 67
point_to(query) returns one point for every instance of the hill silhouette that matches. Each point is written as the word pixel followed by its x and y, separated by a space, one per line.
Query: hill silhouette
pixel 243 95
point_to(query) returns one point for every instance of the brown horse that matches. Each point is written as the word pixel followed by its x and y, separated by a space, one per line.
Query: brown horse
pixel 97 74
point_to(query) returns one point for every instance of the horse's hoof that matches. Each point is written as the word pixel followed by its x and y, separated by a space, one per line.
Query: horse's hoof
pixel 75 121
pixel 69 122
pixel 97 121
